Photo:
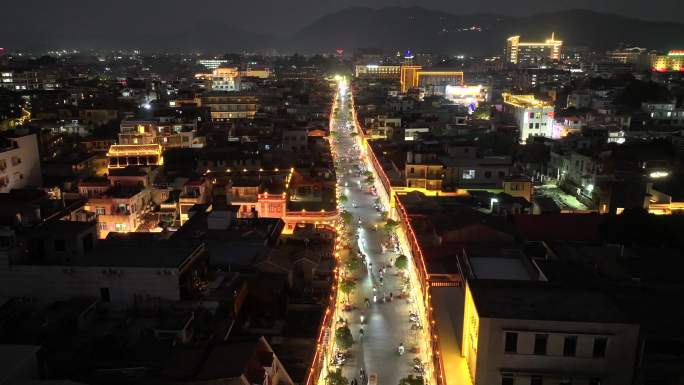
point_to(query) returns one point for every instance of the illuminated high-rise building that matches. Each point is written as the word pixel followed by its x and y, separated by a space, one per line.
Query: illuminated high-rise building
pixel 531 53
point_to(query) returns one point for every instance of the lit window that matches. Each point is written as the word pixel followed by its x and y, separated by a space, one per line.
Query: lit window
pixel 468 174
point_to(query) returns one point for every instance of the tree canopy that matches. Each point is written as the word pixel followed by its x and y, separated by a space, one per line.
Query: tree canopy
pixel 343 337
pixel 335 377
pixel 412 380
pixel 401 262
pixel 347 286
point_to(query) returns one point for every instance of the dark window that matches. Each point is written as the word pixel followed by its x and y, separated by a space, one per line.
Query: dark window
pixel 488 174
pixel 104 294
pixel 507 380
pixel 511 345
pixel 87 242
pixel 600 344
pixel 570 346
pixel 540 344
pixel 60 245
pixel 536 380
pixel 502 174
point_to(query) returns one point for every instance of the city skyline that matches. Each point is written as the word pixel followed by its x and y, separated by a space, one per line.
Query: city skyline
pixel 322 193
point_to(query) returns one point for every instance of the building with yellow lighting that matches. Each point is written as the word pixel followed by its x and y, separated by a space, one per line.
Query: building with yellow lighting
pixel 125 155
pixel 672 62
pixel 225 79
pixel 424 171
pixel 432 80
pixel 166 134
pixel 534 117
pixel 518 328
pixel 532 53
pixel 375 71
pixel 261 73
pixel 226 106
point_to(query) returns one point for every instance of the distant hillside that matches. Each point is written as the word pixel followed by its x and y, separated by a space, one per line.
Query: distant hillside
pixel 389 28
pixel 427 30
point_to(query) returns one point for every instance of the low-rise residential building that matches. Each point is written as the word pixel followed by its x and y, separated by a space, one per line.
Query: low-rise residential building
pixel 534 117
pixel 97 116
pixel 61 260
pixel 424 170
pixel 225 79
pixel 225 106
pixel 476 172
pixel 520 328
pixel 134 155
pixel 118 209
pixel 518 186
pixel 168 134
pixel 664 113
pixel 19 162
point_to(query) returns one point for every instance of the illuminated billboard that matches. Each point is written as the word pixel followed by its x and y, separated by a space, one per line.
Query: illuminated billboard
pixel 469 96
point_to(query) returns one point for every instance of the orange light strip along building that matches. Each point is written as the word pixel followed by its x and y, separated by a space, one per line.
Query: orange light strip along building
pixel 414 76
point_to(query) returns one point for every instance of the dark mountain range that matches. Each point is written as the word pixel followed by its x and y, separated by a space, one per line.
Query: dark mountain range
pixel 428 30
pixel 389 28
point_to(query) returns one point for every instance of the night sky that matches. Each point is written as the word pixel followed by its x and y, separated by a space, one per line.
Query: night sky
pixel 54 21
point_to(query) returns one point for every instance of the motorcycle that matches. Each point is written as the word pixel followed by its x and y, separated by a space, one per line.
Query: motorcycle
pixel 339 359
pixel 418 366
pixel 413 317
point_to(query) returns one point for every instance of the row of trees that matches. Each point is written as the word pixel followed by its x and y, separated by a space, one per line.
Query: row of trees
pixel 335 377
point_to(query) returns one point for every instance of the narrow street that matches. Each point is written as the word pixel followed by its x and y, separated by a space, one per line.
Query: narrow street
pixel 386 323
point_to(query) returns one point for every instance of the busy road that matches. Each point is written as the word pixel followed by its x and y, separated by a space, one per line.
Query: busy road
pixel 380 311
